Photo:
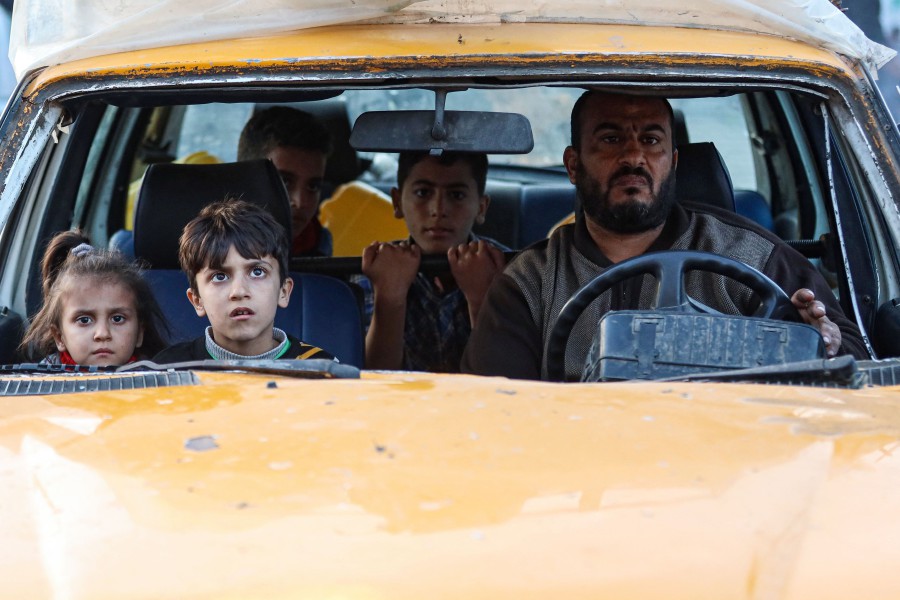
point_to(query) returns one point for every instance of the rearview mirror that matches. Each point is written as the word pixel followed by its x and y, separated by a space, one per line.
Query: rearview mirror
pixel 442 131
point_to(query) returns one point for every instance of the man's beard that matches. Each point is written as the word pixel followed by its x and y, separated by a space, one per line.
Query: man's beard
pixel 631 215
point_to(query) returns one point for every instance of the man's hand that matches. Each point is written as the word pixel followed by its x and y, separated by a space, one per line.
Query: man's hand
pixel 474 266
pixel 392 268
pixel 813 313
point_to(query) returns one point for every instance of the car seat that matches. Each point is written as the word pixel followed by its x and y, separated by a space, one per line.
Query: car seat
pixel 542 204
pixel 323 310
pixel 123 239
pixel 501 222
pixel 753 205
pixel 702 177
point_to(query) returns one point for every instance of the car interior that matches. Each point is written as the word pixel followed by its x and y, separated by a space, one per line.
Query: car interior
pixel 131 170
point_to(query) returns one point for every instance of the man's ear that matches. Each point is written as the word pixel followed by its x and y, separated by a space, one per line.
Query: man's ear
pixel 482 209
pixel 675 159
pixel 395 200
pixel 196 302
pixel 570 160
pixel 284 294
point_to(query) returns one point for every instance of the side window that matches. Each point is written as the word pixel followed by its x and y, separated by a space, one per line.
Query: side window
pixel 808 189
pixel 727 122
pixel 130 140
pixel 101 208
pixel 213 129
pixel 774 165
pixel 93 164
pixel 723 121
pixel 789 163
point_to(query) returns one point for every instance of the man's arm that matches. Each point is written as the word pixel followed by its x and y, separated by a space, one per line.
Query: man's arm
pixel 794 273
pixel 505 340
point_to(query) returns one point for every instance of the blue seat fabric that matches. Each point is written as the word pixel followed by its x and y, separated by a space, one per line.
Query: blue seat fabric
pixel 320 299
pixel 753 205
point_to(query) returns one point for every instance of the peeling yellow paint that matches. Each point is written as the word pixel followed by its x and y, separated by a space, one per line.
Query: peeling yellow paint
pixel 360 47
pixel 402 482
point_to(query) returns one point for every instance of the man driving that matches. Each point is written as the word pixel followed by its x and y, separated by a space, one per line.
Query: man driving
pixel 623 163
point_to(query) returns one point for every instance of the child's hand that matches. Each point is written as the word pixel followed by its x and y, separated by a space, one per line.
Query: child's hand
pixel 392 268
pixel 474 266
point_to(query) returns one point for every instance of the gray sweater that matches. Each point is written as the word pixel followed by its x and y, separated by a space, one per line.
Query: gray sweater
pixel 522 305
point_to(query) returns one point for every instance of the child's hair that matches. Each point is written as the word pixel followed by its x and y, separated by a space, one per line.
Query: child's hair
pixel 55 255
pixel 477 162
pixel 282 126
pixel 253 232
pixel 63 265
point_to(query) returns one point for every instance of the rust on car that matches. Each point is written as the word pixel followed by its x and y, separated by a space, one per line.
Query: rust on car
pixel 313 51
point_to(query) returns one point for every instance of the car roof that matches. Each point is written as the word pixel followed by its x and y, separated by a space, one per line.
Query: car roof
pixel 42 35
pixel 422 46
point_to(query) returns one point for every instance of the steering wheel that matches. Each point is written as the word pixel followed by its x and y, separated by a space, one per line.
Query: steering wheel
pixel 668 267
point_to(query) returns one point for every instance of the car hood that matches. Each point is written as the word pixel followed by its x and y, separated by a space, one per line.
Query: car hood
pixel 402 485
pixel 45 34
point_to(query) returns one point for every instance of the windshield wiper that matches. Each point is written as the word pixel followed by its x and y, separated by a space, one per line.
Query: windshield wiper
pixel 306 369
pixel 841 371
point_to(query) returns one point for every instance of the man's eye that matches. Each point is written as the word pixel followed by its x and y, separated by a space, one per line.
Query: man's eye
pixel 422 193
pixel 84 320
pixel 610 139
pixel 651 141
pixel 315 187
pixel 457 195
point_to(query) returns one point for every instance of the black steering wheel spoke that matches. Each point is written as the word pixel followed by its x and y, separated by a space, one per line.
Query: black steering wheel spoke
pixel 669 277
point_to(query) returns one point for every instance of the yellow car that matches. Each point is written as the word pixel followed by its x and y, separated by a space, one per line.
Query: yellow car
pixel 692 478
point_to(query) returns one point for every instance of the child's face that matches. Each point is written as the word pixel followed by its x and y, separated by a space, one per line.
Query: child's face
pixel 99 323
pixel 240 300
pixel 440 203
pixel 303 172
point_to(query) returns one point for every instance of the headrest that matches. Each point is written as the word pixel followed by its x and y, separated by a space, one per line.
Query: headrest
pixel 173 194
pixel 702 177
pixel 679 128
pixel 343 165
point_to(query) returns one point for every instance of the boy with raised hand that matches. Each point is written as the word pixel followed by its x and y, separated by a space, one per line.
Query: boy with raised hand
pixel 235 256
pixel 420 323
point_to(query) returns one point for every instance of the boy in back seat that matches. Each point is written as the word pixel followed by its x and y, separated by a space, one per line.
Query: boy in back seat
pixel 299 145
pixel 418 322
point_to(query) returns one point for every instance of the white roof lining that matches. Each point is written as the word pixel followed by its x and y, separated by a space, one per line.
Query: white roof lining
pixel 49 32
